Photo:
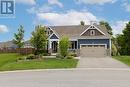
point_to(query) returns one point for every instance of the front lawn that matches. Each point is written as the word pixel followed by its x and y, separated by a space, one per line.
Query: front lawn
pixel 124 59
pixel 9 62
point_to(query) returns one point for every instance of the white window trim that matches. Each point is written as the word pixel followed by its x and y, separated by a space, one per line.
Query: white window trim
pixel 91 28
pixel 54 39
pixel 73 39
pixel 93 45
pixel 52 35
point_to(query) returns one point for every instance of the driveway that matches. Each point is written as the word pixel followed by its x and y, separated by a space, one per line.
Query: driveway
pixel 104 62
pixel 67 78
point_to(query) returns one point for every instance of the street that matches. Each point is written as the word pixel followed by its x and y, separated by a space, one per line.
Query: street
pixel 67 78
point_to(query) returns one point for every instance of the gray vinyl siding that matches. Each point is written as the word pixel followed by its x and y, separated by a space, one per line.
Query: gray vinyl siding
pixel 93 41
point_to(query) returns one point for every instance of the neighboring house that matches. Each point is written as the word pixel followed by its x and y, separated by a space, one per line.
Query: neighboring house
pixel 8 44
pixel 88 40
pixel 27 44
pixel 11 45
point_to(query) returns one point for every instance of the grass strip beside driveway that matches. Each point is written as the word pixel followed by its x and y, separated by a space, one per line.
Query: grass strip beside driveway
pixel 124 59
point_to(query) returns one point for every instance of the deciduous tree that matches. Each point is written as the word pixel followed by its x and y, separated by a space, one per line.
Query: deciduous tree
pixel 123 41
pixel 39 39
pixel 18 37
pixel 106 24
pixel 64 46
pixel 82 23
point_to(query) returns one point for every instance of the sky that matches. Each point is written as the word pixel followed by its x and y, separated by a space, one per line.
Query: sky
pixel 30 13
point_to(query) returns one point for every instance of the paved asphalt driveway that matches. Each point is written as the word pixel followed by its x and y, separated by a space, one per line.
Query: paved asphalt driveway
pixel 67 78
pixel 106 62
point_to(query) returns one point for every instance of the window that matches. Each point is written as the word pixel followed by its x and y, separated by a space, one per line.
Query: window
pixel 73 45
pixel 92 32
pixel 95 45
pixel 83 45
pixel 89 45
pixel 91 27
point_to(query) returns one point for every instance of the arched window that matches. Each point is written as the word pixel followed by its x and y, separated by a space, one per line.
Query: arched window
pixel 92 32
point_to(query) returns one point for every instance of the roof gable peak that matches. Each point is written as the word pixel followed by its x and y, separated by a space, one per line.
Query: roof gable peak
pixel 92 26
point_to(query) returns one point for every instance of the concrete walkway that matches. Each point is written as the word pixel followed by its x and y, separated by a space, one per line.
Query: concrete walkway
pixel 106 62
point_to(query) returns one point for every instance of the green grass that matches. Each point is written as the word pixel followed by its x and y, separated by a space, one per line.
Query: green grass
pixel 124 59
pixel 8 62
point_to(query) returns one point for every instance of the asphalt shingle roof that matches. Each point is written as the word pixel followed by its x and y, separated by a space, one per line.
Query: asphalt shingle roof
pixel 74 31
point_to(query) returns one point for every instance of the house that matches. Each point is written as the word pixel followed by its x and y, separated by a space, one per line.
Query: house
pixel 8 45
pixel 88 41
pixel 11 45
pixel 27 44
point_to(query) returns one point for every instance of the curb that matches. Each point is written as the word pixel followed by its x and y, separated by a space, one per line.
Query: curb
pixel 72 69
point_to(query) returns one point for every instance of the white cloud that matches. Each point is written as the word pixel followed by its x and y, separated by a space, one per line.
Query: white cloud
pixel 118 27
pixel 71 17
pixel 39 9
pixel 101 2
pixel 34 9
pixel 28 2
pixel 127 7
pixel 3 29
pixel 44 8
pixel 55 2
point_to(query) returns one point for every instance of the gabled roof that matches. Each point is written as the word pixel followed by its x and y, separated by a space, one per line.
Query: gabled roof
pixel 9 44
pixel 53 36
pixel 93 27
pixel 74 31
pixel 53 33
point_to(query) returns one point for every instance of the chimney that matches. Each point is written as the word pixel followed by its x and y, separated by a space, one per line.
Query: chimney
pixel 93 22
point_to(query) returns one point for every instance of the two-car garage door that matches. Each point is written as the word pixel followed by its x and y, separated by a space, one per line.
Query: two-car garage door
pixel 92 51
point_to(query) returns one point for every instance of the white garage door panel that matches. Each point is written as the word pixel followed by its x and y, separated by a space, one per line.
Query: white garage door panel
pixel 93 51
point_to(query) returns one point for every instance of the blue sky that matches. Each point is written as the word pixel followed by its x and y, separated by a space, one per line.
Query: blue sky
pixel 30 13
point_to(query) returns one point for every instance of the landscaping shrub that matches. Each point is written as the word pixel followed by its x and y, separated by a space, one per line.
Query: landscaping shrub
pixel 69 57
pixel 114 50
pixel 21 58
pixel 59 56
pixel 30 57
pixel 72 54
pixel 45 54
pixel 64 46
pixel 38 56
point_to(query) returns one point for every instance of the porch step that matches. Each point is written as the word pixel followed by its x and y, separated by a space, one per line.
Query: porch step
pixel 53 54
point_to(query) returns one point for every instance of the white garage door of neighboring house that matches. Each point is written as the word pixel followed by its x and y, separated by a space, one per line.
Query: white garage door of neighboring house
pixel 92 51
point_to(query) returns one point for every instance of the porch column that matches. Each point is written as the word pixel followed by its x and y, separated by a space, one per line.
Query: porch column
pixel 50 47
pixel 110 46
pixel 58 43
pixel 58 46
pixel 50 44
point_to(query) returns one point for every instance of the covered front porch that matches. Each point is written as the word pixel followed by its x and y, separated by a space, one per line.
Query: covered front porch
pixel 54 46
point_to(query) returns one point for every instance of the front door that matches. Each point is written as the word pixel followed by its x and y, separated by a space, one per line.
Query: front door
pixel 54 47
